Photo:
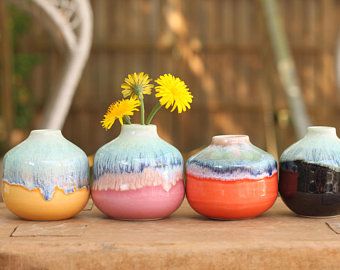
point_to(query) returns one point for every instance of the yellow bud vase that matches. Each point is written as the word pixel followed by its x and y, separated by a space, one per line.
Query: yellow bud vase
pixel 45 177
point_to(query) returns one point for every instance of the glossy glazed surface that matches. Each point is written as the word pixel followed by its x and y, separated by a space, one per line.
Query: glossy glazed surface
pixel 231 179
pixel 44 165
pixel 138 175
pixel 151 202
pixel 30 204
pixel 310 174
pixel 236 199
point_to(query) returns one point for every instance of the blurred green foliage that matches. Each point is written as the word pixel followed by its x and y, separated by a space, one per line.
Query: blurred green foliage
pixel 23 64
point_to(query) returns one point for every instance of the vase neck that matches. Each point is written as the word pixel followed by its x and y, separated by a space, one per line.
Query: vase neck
pixel 316 131
pixel 138 130
pixel 224 140
pixel 45 134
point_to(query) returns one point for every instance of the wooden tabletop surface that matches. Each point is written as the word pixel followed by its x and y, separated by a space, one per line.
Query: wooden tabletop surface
pixel 276 240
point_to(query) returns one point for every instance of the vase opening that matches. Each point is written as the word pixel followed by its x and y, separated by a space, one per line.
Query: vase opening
pixel 45 132
pixel 321 130
pixel 39 131
pixel 230 139
pixel 136 129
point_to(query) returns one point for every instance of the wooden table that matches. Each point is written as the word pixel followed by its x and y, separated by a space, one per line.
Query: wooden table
pixel 276 240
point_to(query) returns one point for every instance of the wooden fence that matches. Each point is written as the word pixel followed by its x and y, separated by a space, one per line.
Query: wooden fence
pixel 219 47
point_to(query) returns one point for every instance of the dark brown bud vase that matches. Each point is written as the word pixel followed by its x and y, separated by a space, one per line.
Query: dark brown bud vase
pixel 310 174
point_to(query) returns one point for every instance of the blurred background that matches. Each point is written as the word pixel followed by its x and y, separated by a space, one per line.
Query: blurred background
pixel 225 50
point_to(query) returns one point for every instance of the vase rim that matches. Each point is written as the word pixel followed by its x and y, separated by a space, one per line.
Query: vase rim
pixel 230 139
pixel 45 134
pixel 45 131
pixel 149 130
pixel 138 125
pixel 321 130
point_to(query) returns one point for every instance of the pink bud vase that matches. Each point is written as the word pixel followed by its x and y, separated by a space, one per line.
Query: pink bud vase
pixel 138 176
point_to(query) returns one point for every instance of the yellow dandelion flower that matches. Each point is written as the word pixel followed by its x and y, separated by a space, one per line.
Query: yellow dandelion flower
pixel 118 110
pixel 172 91
pixel 136 84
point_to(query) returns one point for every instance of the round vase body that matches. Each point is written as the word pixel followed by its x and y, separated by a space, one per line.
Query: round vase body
pixel 231 179
pixel 45 177
pixel 310 174
pixel 138 176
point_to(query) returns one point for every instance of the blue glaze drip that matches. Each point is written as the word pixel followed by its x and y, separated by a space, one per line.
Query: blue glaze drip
pixel 232 161
pixel 289 166
pixel 44 161
pixel 134 151
pixel 252 168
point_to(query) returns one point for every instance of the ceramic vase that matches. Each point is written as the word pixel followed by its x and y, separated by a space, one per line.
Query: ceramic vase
pixel 45 177
pixel 231 179
pixel 138 176
pixel 310 174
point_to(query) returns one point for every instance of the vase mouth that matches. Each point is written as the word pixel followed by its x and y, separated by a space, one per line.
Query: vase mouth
pixel 137 129
pixel 46 132
pixel 230 139
pixel 149 126
pixel 315 130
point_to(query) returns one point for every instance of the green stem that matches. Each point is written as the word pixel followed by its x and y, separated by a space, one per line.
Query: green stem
pixel 153 112
pixel 126 119
pixel 142 110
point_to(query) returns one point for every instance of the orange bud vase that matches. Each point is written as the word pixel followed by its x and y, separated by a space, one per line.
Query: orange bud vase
pixel 231 179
